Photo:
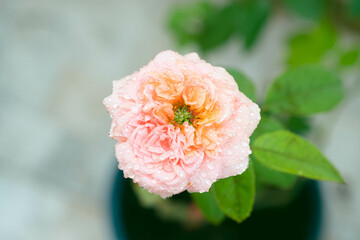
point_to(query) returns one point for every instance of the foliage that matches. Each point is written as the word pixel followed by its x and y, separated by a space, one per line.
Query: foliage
pixel 303 91
pixel 235 195
pixel 210 25
pixel 207 203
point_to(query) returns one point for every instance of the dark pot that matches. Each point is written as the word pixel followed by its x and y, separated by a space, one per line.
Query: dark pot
pixel 298 220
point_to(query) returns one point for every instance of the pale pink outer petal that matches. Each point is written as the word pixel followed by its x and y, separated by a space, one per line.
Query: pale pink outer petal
pixel 207 173
pixel 148 176
pixel 235 151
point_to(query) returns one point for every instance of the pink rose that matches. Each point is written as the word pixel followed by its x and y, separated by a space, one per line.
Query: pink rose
pixel 180 124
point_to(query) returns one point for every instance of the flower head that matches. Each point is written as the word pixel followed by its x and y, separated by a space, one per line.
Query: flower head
pixel 180 124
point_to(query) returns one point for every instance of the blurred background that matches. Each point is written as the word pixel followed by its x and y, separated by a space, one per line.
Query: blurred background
pixel 57 63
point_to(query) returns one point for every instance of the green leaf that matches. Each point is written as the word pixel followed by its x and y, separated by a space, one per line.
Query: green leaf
pixel 354 8
pixel 251 19
pixel 311 9
pixel 244 83
pixel 218 27
pixel 235 195
pixel 266 125
pixel 263 174
pixel 186 23
pixel 310 47
pixel 299 125
pixel 349 57
pixel 303 91
pixel 207 203
pixel 287 152
pixel 267 176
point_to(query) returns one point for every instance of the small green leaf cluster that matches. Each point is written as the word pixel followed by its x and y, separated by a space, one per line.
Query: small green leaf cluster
pixel 280 154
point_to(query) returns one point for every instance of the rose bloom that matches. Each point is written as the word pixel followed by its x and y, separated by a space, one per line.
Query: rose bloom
pixel 180 124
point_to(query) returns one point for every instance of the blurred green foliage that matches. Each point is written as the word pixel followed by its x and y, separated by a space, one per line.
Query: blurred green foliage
pixel 209 25
pixel 207 203
pixel 304 90
pixel 311 46
pixel 350 57
pixel 269 177
pixel 244 83
pixel 312 9
pixel 354 8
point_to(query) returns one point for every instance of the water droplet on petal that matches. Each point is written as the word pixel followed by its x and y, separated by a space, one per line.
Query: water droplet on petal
pixel 210 166
pixel 229 152
pixel 203 174
pixel 228 91
pixel 244 144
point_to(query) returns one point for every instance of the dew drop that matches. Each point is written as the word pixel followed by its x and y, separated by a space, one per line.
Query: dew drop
pixel 229 152
pixel 203 174
pixel 239 120
pixel 244 144
pixel 228 91
pixel 115 106
pixel 251 114
pixel 210 166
